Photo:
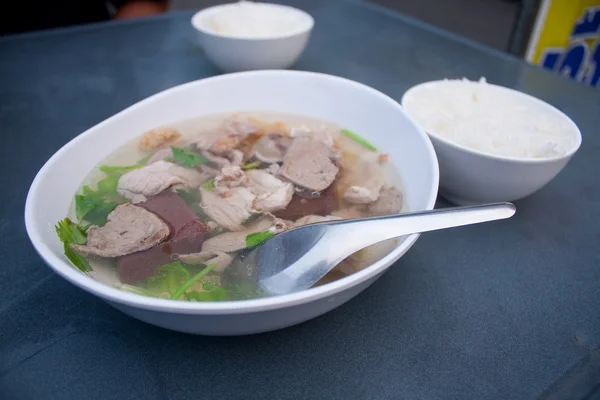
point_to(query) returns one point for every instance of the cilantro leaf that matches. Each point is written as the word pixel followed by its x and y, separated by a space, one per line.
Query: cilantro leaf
pixel 83 205
pixel 95 205
pixel 191 281
pixel 216 294
pixel 108 185
pixel 99 215
pixel 169 277
pixel 251 165
pixel 254 239
pixel 118 169
pixel 77 260
pixel 70 233
pixel 186 158
pixel 359 139
pixel 209 185
pixel 176 268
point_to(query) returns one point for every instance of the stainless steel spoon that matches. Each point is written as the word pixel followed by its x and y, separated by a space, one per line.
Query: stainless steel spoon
pixel 297 259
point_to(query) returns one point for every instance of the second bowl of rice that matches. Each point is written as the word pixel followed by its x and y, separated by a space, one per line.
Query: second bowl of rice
pixel 493 143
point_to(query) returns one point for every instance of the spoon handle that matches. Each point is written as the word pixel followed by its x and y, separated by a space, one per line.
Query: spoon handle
pixel 332 241
pixel 389 227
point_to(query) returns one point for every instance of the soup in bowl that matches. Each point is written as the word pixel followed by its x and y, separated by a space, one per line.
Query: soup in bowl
pixel 150 208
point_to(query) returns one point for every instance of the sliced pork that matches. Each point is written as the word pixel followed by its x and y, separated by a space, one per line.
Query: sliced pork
pixel 128 229
pixel 365 180
pixel 389 202
pixel 272 194
pixel 308 163
pixel 188 233
pixel 136 267
pixel 311 219
pixel 140 184
pixel 222 260
pixel 232 157
pixel 229 210
pixel 206 140
pixel 271 148
pixel 160 155
pixel 229 178
pixel 239 126
pixel 352 212
pixel 234 241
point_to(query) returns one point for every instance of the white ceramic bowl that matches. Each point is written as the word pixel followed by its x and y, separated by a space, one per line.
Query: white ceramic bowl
pixel 320 96
pixel 234 53
pixel 470 176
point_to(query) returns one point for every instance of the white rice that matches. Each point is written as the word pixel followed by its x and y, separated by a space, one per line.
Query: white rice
pixel 256 20
pixel 490 119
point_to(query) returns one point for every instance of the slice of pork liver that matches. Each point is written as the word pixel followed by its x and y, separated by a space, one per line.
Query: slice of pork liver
pixel 188 235
pixel 128 229
pixel 308 164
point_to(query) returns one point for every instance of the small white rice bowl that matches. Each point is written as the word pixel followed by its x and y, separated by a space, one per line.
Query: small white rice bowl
pixel 493 143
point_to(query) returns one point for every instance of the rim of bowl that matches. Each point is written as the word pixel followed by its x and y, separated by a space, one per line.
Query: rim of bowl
pixel 113 294
pixel 480 153
pixel 197 23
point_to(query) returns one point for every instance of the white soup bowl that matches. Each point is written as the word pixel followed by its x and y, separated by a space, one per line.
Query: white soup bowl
pixel 350 104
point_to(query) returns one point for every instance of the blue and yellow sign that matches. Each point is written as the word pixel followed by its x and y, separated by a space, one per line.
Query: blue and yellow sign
pixel 566 39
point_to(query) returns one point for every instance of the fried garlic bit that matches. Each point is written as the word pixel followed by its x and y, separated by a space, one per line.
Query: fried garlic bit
pixel 159 138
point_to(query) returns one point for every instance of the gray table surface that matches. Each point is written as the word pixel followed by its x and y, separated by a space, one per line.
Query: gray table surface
pixel 508 310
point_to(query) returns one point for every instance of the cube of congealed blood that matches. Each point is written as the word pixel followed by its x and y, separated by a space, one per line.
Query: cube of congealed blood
pixel 172 209
pixel 188 233
pixel 300 206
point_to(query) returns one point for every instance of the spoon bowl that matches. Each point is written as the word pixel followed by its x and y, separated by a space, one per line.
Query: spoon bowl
pixel 295 260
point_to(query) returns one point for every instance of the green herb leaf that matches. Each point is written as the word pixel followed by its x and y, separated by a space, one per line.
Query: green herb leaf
pixel 254 239
pixel 175 267
pixel 191 281
pixel 95 205
pixel 99 214
pixel 117 169
pixel 251 165
pixel 108 185
pixel 358 139
pixel 209 185
pixel 168 278
pixel 69 232
pixel 78 260
pixel 83 205
pixel 216 294
pixel 187 158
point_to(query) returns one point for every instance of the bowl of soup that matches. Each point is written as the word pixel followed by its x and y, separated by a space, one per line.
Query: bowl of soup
pixel 150 208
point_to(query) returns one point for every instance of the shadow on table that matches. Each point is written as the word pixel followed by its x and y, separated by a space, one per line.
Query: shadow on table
pixel 65 341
